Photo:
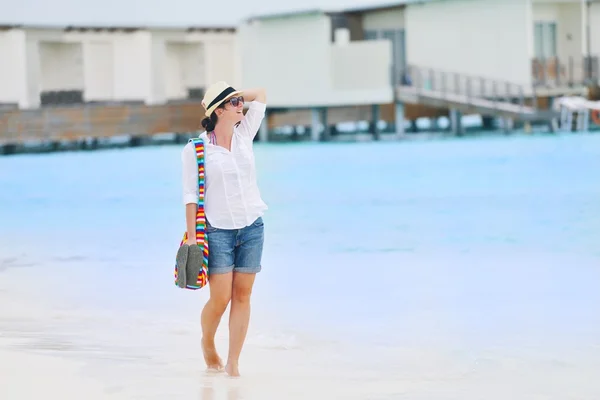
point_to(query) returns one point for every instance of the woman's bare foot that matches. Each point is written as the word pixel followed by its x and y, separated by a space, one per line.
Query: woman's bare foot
pixel 232 369
pixel 211 357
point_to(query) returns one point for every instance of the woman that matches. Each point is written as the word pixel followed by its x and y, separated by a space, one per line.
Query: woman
pixel 233 208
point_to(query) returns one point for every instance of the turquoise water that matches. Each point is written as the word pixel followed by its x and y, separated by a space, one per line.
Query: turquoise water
pixel 466 243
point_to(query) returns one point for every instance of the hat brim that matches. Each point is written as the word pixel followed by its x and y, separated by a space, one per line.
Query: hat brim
pixel 215 106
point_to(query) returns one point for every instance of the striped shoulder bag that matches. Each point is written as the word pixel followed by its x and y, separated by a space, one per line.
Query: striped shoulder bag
pixel 191 264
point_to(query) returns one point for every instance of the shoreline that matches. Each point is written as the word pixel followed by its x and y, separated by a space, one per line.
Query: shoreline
pixel 120 355
pixel 166 139
pixel 25 375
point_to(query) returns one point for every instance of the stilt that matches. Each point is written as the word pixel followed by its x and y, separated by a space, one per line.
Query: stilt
pixel 375 121
pixel 263 131
pixel 564 118
pixel 326 132
pixel 569 122
pixel 315 126
pixel 586 120
pixel 487 122
pixel 507 124
pixel 134 141
pixel 414 128
pixel 583 117
pixel 456 122
pixel 8 149
pixel 435 126
pixel 400 131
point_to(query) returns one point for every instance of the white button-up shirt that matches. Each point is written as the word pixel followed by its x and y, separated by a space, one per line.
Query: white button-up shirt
pixel 232 199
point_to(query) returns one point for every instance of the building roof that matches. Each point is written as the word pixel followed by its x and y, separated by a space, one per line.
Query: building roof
pixel 287 14
pixel 358 8
pixel 383 6
pixel 115 28
pixel 174 14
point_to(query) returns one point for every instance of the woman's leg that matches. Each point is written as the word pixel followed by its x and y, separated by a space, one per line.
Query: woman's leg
pixel 248 257
pixel 220 293
pixel 239 318
pixel 221 254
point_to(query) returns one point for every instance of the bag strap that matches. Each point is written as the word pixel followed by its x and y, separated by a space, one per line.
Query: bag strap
pixel 200 215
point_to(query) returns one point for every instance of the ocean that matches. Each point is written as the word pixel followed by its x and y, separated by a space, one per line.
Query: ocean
pixel 453 268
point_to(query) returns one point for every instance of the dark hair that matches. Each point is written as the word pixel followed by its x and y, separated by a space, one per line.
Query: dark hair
pixel 209 123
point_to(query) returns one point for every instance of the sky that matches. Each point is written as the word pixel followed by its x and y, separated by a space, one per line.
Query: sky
pixel 155 12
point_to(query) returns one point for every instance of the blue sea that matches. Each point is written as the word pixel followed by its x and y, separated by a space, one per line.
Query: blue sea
pixel 450 268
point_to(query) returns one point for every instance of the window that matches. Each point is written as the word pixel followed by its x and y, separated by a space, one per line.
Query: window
pixel 545 39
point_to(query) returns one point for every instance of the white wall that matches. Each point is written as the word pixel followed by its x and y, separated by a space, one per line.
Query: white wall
pixel 13 77
pixel 294 59
pixel 174 80
pixel 183 60
pixel 595 29
pixel 221 62
pixel 220 59
pixel 33 62
pixel 488 38
pixel 350 72
pixel 98 62
pixel 61 66
pixel 184 68
pixel 571 36
pixel 289 57
pixel 568 18
pixel 133 66
pixel 99 74
pixel 116 65
pixel 113 66
pixel 105 65
pixel 384 19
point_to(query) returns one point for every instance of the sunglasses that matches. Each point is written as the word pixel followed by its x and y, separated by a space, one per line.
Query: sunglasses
pixel 235 101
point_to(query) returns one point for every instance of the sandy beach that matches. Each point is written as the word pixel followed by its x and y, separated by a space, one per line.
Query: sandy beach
pixel 51 349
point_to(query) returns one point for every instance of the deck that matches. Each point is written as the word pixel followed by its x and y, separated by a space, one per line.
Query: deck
pixel 420 92
pixel 79 122
pixel 469 94
pixel 472 105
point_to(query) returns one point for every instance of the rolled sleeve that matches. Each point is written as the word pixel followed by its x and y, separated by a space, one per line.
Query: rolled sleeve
pixel 253 118
pixel 190 174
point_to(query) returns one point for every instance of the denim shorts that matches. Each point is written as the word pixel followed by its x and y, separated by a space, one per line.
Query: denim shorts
pixel 237 250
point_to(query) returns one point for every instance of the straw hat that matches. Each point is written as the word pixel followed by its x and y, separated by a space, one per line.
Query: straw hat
pixel 216 94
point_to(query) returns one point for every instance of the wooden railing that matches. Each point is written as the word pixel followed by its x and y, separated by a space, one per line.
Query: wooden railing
pixel 570 71
pixel 424 79
pixel 49 124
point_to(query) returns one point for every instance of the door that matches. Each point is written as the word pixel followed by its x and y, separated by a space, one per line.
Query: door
pixel 398 39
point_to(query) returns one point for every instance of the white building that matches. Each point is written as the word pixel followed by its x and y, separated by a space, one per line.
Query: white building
pixel 62 65
pixel 355 56
pixel 527 42
pixel 302 59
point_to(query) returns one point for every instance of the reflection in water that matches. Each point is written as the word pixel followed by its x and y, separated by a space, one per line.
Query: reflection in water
pixel 208 392
pixel 214 388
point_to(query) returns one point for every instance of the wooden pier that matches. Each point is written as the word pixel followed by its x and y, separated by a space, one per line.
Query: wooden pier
pixel 419 93
pixel 467 94
pixel 82 123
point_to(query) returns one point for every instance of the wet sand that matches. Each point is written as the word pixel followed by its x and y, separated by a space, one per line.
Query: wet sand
pixel 51 350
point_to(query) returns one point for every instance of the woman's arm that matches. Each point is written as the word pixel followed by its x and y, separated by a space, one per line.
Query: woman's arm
pixel 190 190
pixel 190 222
pixel 257 99
pixel 258 94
